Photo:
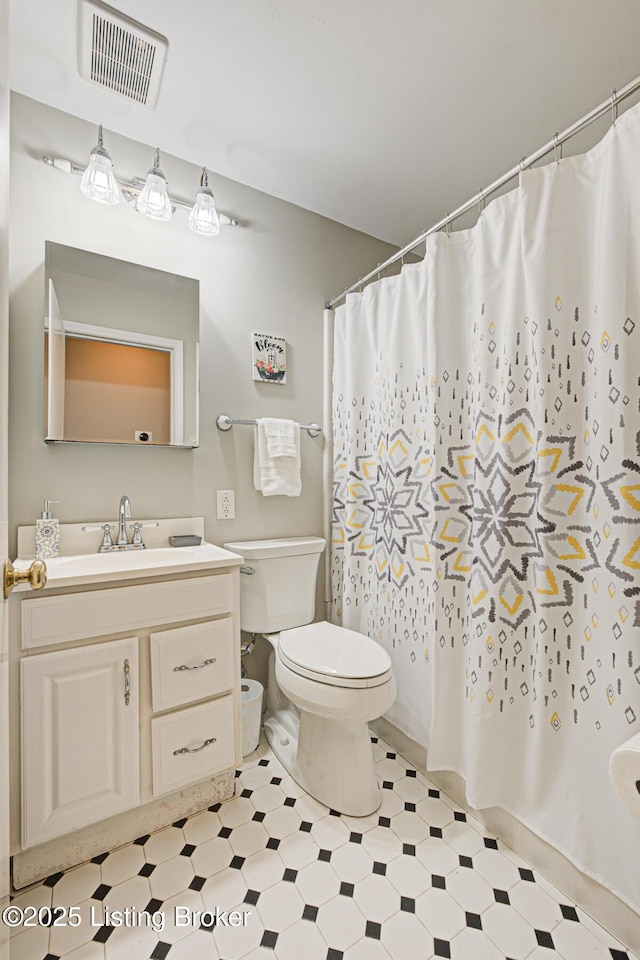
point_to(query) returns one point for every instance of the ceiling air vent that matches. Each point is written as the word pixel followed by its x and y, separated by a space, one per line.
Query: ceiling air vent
pixel 120 54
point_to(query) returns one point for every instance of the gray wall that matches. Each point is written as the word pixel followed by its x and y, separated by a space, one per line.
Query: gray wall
pixel 271 274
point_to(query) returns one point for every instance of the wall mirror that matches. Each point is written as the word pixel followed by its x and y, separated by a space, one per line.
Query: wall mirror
pixel 121 351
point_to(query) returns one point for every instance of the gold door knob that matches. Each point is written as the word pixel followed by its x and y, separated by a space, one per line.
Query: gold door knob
pixel 36 575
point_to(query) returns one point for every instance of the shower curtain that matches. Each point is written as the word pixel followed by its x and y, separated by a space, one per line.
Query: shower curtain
pixel 486 514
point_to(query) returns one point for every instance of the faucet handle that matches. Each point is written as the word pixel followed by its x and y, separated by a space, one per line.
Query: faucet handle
pixel 136 539
pixel 106 536
pixel 137 527
pixel 107 542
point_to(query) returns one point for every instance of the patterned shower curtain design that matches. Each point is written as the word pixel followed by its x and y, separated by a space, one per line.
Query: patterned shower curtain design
pixel 486 523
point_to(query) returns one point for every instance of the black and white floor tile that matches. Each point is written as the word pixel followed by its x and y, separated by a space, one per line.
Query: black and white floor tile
pixel 418 879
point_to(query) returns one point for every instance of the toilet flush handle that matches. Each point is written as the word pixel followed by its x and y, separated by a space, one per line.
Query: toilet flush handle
pixel 248 570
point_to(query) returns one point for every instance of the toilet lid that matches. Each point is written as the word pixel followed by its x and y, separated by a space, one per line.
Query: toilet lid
pixel 334 655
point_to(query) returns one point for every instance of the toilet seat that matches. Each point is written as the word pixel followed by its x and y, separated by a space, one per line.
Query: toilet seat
pixel 334 655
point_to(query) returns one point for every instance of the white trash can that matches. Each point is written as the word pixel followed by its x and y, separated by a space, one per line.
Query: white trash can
pixel 251 694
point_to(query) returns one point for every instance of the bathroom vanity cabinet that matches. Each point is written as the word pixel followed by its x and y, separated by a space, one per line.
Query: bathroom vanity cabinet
pixel 126 696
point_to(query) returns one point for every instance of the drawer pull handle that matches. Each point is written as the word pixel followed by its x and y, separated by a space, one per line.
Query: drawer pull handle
pixel 127 683
pixel 198 666
pixel 207 743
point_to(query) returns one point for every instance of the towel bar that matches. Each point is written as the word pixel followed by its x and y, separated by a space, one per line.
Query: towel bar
pixel 223 422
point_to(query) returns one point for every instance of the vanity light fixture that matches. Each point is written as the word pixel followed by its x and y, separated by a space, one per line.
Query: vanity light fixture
pixel 203 218
pixel 149 197
pixel 98 180
pixel 154 200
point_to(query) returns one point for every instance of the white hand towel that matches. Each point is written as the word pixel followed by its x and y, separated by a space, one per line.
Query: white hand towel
pixel 279 475
pixel 282 438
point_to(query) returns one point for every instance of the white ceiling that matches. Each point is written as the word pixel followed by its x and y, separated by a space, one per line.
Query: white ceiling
pixel 381 114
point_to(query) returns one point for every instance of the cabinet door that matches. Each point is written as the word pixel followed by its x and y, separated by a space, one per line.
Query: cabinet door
pixel 80 754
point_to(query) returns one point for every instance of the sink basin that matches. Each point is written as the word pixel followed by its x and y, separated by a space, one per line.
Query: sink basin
pixel 131 564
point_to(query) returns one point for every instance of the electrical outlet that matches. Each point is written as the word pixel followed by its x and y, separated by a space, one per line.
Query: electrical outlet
pixel 226 504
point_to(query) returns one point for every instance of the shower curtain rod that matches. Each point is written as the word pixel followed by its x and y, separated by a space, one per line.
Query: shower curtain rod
pixel 558 138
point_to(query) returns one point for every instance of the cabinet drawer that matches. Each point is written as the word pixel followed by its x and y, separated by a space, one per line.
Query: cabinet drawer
pixel 191 663
pixel 96 613
pixel 192 744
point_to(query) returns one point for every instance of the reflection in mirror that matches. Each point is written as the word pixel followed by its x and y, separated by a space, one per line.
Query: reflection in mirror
pixel 121 352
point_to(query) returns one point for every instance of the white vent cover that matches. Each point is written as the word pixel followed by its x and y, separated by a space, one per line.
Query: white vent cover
pixel 120 54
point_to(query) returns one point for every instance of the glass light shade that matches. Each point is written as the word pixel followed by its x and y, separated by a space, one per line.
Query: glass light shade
pixel 203 217
pixel 98 181
pixel 154 200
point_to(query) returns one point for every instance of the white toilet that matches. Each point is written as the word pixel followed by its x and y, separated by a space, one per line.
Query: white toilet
pixel 325 682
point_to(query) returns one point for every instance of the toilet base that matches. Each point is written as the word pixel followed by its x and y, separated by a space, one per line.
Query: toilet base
pixel 331 759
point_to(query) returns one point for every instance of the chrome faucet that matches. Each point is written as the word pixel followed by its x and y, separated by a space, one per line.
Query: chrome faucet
pixel 123 514
pixel 122 541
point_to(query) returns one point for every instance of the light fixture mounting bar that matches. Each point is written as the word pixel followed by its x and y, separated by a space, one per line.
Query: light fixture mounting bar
pixel 132 186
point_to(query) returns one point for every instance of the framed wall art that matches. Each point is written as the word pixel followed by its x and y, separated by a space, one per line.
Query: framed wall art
pixel 269 358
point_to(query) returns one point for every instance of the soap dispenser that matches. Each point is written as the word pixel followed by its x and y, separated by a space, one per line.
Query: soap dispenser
pixel 47 534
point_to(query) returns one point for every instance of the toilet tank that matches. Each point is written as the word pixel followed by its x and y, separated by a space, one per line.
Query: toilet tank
pixel 277 582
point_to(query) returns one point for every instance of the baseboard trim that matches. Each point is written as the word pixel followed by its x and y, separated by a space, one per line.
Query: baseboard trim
pixel 594 899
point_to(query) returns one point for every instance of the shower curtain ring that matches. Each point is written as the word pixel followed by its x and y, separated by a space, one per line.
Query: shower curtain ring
pixel 522 160
pixel 480 203
pixel 447 226
pixel 557 146
pixel 614 106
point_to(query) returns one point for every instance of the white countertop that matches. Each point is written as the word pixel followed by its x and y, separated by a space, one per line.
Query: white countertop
pixel 77 569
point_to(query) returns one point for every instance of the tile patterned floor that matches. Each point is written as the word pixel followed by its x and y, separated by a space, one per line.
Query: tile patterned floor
pixel 418 879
